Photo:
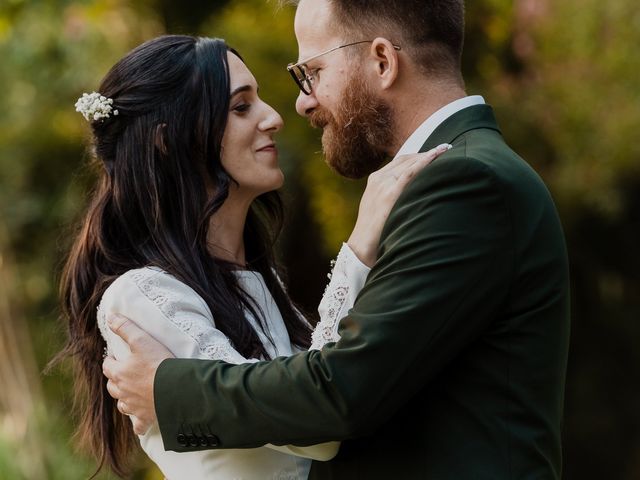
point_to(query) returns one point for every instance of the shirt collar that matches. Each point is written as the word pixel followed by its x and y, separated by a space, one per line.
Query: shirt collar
pixel 424 131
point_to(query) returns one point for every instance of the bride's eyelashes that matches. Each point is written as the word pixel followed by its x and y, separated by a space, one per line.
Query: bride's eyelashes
pixel 242 108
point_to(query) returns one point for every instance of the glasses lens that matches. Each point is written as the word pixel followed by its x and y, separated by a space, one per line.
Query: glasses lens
pixel 299 74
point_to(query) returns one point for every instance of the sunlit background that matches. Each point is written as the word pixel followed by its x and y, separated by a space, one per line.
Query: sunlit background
pixel 562 75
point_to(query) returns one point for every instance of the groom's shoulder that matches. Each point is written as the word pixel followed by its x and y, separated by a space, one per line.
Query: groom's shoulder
pixel 482 157
pixel 462 165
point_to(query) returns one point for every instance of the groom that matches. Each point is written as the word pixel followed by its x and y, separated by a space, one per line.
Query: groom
pixel 452 362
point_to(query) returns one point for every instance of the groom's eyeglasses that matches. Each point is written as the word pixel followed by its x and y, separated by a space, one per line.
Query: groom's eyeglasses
pixel 305 78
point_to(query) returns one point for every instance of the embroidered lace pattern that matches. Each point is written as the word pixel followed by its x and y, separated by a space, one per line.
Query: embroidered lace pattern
pixel 345 281
pixel 102 326
pixel 212 343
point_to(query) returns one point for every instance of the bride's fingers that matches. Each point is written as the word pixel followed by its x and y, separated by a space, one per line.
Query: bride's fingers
pixel 400 160
pixel 396 162
pixel 421 159
pixel 404 176
pixel 407 175
pixel 403 167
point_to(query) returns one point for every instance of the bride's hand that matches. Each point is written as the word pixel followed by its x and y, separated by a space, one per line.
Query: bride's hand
pixel 384 186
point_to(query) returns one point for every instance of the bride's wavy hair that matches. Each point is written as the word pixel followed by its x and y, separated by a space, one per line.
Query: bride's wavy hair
pixel 159 160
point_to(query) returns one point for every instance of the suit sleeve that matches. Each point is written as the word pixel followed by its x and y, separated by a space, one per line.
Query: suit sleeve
pixel 177 317
pixel 444 268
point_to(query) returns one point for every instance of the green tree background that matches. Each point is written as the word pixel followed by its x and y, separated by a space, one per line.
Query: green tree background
pixel 563 77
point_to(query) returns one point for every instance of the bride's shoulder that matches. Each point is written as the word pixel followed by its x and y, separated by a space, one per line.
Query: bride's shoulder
pixel 167 309
pixel 147 279
pixel 154 285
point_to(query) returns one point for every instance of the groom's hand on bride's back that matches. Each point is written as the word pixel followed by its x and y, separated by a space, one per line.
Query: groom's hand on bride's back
pixel 130 380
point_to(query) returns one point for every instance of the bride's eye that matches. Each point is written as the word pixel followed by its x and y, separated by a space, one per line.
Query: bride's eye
pixel 242 108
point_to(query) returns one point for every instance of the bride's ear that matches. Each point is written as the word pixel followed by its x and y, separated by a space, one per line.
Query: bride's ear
pixel 160 141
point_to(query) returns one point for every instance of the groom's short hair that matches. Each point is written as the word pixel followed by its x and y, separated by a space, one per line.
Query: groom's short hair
pixel 430 31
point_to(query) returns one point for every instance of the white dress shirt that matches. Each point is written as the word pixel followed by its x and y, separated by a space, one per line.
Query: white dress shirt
pixel 414 143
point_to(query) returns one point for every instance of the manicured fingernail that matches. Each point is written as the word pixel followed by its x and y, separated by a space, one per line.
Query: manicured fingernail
pixel 444 147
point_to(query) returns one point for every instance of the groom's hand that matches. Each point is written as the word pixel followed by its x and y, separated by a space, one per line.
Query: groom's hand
pixel 131 379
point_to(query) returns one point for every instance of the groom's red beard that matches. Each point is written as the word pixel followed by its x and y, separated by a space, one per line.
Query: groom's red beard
pixel 357 135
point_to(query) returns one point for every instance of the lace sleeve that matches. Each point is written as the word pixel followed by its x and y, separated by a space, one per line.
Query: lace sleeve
pixel 345 282
pixel 168 310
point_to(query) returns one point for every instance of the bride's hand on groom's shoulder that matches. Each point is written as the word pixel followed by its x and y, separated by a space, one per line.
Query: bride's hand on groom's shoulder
pixel 130 380
pixel 384 186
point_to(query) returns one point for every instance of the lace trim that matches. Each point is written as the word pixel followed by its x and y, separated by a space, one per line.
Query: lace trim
pixel 333 303
pixel 102 326
pixel 212 343
pixel 216 347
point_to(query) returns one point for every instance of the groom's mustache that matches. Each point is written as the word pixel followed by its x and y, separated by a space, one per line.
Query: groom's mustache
pixel 319 118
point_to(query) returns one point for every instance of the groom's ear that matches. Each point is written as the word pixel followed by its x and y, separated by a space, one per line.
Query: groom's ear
pixel 384 60
pixel 160 141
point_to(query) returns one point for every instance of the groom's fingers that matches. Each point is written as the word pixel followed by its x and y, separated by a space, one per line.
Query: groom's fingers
pixel 109 367
pixel 140 426
pixel 128 331
pixel 113 390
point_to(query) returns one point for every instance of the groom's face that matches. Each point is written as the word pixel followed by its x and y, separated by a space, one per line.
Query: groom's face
pixel 357 124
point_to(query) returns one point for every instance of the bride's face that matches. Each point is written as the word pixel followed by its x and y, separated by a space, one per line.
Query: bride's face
pixel 249 153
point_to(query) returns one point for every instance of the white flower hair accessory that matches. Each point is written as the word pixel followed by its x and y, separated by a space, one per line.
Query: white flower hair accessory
pixel 94 106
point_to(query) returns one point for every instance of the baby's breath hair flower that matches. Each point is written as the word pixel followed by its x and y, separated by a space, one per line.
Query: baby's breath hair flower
pixel 94 106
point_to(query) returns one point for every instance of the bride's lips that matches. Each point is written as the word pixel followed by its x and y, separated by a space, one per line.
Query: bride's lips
pixel 271 147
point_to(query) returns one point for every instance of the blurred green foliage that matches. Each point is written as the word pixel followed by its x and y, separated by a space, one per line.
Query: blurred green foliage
pixel 562 76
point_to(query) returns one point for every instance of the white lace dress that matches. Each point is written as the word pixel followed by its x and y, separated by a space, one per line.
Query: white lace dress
pixel 178 317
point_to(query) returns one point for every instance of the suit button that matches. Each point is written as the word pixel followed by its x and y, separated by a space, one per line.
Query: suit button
pixel 193 441
pixel 182 440
pixel 203 441
pixel 213 440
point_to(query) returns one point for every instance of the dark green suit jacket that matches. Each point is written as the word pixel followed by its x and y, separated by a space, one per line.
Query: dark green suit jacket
pixel 451 363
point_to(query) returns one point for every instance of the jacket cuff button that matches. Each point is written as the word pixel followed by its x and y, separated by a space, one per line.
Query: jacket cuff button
pixel 213 440
pixel 182 439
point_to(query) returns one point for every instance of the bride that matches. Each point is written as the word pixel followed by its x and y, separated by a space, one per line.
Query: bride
pixel 179 236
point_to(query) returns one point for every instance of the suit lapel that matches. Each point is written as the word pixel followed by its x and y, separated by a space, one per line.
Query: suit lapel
pixel 470 118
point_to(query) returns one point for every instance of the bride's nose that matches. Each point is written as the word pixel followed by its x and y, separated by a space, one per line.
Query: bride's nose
pixel 272 120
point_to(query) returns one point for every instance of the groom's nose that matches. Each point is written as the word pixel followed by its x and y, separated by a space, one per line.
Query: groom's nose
pixel 306 103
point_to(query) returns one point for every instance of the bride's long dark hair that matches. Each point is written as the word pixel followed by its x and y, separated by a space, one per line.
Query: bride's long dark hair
pixel 158 159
